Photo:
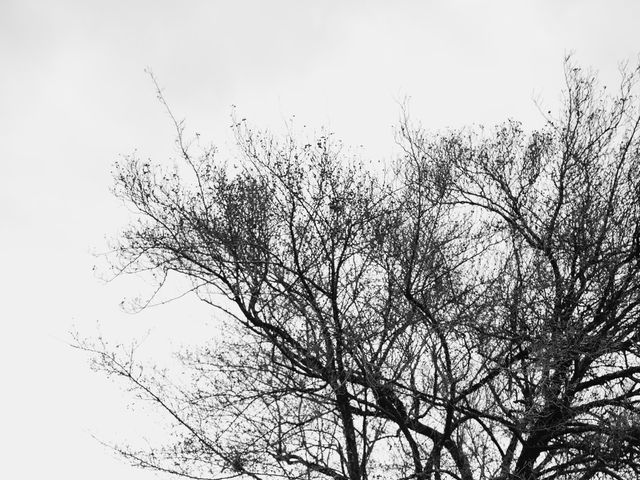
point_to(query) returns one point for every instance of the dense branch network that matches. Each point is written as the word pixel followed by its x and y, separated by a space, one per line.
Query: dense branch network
pixel 470 313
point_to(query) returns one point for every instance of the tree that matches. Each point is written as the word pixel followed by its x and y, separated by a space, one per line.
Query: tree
pixel 472 312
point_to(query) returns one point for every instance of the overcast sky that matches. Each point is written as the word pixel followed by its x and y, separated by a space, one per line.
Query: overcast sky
pixel 74 96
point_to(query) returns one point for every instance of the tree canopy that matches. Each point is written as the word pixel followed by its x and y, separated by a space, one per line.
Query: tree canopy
pixel 470 311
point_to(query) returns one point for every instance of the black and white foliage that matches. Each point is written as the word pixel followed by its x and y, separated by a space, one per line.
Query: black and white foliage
pixel 471 313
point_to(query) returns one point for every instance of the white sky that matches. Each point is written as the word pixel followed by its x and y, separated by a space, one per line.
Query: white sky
pixel 74 96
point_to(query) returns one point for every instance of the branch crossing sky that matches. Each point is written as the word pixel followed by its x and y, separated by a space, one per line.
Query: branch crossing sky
pixel 74 97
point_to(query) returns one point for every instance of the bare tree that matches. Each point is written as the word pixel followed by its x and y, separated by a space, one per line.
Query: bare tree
pixel 472 312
